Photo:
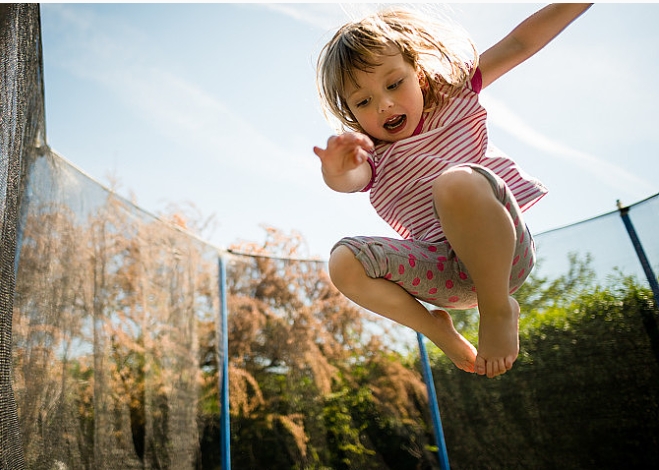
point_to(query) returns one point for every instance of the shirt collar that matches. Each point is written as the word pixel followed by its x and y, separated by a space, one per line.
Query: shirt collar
pixel 419 127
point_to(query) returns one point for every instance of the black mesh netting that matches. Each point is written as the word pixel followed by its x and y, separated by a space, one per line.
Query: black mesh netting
pixel 110 307
pixel 584 393
pixel 604 241
pixel 110 351
pixel 21 135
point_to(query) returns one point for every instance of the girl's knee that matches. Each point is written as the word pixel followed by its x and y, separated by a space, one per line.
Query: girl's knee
pixel 457 186
pixel 344 268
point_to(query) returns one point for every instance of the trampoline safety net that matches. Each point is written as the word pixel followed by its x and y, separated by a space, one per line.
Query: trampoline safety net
pixel 110 341
pixel 21 134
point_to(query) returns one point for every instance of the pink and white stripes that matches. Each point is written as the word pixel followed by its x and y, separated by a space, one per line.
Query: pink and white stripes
pixel 401 189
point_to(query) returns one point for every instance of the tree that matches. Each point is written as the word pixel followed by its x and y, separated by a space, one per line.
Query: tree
pixel 312 384
pixel 584 392
pixel 109 305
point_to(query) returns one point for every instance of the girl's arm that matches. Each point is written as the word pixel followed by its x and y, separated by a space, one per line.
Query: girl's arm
pixel 528 38
pixel 345 163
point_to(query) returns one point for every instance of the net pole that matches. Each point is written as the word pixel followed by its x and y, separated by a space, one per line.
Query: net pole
pixel 225 426
pixel 649 320
pixel 434 407
pixel 640 252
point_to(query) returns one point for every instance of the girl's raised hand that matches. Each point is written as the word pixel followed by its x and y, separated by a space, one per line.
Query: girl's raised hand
pixel 344 153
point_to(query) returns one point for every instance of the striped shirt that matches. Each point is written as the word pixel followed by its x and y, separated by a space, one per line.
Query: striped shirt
pixel 403 171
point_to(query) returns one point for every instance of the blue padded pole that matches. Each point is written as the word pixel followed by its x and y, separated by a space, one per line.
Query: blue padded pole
pixel 225 426
pixel 649 320
pixel 434 408
pixel 640 252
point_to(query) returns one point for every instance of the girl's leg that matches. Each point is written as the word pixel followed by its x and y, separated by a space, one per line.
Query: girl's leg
pixel 482 233
pixel 388 299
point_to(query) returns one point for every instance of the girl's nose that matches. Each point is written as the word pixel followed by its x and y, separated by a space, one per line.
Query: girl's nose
pixel 384 104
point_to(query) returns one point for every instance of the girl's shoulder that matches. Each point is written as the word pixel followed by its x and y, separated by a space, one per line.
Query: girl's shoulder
pixel 444 91
pixel 463 104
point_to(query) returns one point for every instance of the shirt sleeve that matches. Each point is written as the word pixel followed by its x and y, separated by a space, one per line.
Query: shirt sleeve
pixel 477 80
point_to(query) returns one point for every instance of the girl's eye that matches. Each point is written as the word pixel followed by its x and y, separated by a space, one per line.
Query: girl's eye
pixel 361 103
pixel 395 85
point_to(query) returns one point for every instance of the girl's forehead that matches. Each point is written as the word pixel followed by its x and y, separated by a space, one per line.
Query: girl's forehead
pixel 371 62
pixel 382 67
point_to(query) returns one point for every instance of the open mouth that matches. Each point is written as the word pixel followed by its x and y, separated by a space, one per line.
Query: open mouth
pixel 396 123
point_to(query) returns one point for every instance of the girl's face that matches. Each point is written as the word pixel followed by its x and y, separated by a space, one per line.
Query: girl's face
pixel 387 101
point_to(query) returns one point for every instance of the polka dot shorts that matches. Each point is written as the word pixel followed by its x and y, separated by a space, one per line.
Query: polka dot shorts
pixel 431 271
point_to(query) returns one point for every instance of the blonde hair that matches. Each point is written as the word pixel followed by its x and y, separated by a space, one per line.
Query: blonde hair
pixel 357 46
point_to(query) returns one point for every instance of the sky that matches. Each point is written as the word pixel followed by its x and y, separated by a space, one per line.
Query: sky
pixel 215 105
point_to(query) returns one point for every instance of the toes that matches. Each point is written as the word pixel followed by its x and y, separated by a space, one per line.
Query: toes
pixel 496 367
pixel 467 367
pixel 480 367
pixel 492 368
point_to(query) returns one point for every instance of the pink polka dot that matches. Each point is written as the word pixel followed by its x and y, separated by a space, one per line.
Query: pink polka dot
pixel 508 206
pixel 412 260
pixel 521 273
pixel 516 221
pixel 440 266
pixel 530 262
pixel 442 258
pixel 521 238
pixel 462 275
pixel 473 289
pixel 416 281
pixel 388 276
pixel 429 275
pixel 432 248
pixel 432 290
pixel 394 247
pixel 449 284
pixel 526 252
pixel 516 260
pixel 401 269
pixel 407 247
pixel 453 298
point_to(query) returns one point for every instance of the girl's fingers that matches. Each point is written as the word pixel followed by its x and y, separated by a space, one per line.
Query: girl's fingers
pixel 363 141
pixel 319 152
pixel 345 151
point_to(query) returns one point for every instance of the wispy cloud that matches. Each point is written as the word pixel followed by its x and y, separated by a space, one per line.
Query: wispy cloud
pixel 609 173
pixel 329 16
pixel 321 15
pixel 177 108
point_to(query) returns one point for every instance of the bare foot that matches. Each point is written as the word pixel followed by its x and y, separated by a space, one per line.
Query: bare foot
pixel 453 344
pixel 498 341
